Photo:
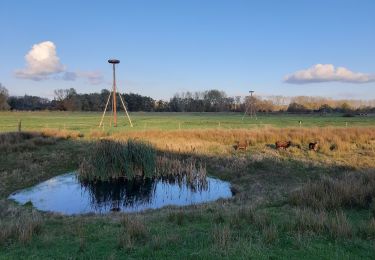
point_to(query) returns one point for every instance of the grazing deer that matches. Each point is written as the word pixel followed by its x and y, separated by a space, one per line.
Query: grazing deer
pixel 242 145
pixel 314 146
pixel 283 144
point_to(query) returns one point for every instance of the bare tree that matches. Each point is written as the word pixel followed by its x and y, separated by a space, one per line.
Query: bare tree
pixel 4 98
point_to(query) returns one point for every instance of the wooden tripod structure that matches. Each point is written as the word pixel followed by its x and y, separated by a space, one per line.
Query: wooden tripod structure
pixel 250 107
pixel 114 104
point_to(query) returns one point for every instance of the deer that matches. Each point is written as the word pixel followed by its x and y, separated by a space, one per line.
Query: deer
pixel 314 146
pixel 242 145
pixel 283 144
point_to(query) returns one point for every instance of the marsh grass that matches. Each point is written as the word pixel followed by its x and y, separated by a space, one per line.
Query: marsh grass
pixel 132 231
pixel 113 160
pixel 367 230
pixel 177 217
pixel 339 226
pixel 352 190
pixel 18 224
pixel 270 233
pixel 221 236
pixel 310 221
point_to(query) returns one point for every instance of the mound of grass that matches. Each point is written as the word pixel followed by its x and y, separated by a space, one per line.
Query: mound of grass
pixel 113 160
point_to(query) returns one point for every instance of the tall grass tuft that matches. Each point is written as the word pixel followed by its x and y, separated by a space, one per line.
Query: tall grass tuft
pixel 354 190
pixel 112 160
pixel 132 231
pixel 18 224
pixel 108 160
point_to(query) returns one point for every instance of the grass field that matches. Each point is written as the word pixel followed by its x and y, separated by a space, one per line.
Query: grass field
pixel 89 121
pixel 288 204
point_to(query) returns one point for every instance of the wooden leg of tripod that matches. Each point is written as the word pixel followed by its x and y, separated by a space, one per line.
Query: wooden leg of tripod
pixel 105 109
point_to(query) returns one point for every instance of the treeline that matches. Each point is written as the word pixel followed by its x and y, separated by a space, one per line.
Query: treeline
pixel 201 101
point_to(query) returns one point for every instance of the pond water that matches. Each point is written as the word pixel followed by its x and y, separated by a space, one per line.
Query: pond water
pixel 66 194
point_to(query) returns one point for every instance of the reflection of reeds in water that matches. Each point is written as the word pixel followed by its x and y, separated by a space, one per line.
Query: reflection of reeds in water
pixel 132 193
pixel 121 192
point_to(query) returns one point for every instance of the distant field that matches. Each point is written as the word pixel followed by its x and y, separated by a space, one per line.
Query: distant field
pixel 86 121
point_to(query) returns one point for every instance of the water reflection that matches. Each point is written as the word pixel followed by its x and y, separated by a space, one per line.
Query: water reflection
pixel 66 194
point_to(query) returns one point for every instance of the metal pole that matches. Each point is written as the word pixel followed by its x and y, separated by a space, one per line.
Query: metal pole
pixel 114 98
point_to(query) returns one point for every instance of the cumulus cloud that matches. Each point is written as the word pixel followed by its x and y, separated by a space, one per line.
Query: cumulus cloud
pixel 327 73
pixel 43 63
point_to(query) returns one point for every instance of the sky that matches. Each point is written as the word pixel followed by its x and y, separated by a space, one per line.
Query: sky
pixel 290 47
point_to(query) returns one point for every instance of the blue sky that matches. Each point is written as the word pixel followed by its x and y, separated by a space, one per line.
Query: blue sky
pixel 168 46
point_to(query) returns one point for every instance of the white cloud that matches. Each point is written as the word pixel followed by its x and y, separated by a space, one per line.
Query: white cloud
pixel 41 62
pixel 327 73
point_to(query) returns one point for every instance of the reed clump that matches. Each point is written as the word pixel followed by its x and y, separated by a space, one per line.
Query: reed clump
pixel 112 160
pixel 190 168
pixel 109 160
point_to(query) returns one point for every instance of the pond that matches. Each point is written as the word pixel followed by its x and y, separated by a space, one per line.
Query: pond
pixel 67 195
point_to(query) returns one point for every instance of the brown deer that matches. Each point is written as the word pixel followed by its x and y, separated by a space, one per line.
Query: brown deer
pixel 314 146
pixel 242 145
pixel 283 144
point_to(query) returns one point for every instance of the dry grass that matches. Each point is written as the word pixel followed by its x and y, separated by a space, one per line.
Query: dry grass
pixel 18 224
pixel 304 136
pixel 61 133
pixel 132 231
pixel 339 226
pixel 354 190
pixel 310 221
pixel 369 229
pixel 177 217
pixel 221 236
pixel 340 146
pixel 270 233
